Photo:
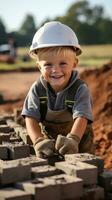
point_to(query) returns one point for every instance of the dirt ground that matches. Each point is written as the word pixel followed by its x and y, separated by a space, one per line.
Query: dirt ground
pixel 14 87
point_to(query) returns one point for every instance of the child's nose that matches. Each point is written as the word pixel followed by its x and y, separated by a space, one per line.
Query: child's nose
pixel 55 68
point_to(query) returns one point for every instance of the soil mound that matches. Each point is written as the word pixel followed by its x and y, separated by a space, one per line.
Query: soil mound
pixel 100 84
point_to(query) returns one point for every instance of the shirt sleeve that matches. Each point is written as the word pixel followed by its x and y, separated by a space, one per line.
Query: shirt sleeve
pixel 83 104
pixel 31 106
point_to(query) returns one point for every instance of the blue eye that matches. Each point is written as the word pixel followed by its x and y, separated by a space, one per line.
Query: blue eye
pixel 47 65
pixel 63 64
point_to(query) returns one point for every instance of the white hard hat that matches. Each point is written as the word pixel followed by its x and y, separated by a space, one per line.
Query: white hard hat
pixel 55 34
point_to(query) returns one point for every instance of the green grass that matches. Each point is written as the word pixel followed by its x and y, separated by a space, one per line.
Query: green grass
pixel 95 55
pixel 92 56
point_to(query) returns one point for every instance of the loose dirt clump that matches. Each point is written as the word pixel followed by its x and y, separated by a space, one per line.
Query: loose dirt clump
pixel 100 84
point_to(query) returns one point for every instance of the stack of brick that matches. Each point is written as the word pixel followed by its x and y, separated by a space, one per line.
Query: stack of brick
pixel 23 176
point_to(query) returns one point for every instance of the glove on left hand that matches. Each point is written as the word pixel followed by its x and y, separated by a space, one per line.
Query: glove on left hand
pixel 68 144
pixel 44 147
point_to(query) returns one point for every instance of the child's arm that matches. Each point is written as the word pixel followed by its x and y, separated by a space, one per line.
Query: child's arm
pixel 79 127
pixel 43 147
pixel 33 128
pixel 70 143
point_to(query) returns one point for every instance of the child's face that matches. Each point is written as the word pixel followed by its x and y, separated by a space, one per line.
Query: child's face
pixel 57 69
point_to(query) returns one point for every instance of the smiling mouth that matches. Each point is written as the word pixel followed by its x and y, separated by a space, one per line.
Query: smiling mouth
pixel 57 77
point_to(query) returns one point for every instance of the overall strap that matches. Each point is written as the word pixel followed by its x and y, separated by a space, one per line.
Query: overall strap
pixel 41 91
pixel 69 101
pixel 70 98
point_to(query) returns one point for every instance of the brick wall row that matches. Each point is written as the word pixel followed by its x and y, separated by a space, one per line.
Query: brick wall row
pixel 23 176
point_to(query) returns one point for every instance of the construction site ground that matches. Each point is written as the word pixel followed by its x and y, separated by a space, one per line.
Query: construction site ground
pixel 15 85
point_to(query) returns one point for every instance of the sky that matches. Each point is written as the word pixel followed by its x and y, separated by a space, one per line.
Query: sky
pixel 13 12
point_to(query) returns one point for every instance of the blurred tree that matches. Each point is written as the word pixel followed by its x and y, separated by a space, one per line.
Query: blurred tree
pixel 88 22
pixel 27 31
pixel 3 34
pixel 105 28
pixel 28 25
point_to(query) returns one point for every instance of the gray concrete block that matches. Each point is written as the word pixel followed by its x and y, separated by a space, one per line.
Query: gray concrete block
pixel 8 116
pixel 18 150
pixel 15 139
pixel 4 137
pixel 34 161
pixel 105 180
pixel 19 129
pixel 32 151
pixel 40 189
pixel 44 171
pixel 25 137
pixel 12 123
pixel 82 170
pixel 94 193
pixel 10 193
pixel 87 158
pixel 5 128
pixel 3 152
pixel 2 121
pixel 13 171
pixel 70 187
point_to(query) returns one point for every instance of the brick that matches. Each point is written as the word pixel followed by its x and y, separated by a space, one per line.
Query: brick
pixel 25 137
pixel 13 171
pixel 12 123
pixel 87 158
pixel 41 189
pixel 105 180
pixel 93 193
pixel 4 137
pixel 34 161
pixel 8 116
pixel 3 152
pixel 32 151
pixel 22 132
pixel 18 150
pixel 10 193
pixel 5 129
pixel 15 139
pixel 2 121
pixel 70 187
pixel 19 129
pixel 44 171
pixel 81 170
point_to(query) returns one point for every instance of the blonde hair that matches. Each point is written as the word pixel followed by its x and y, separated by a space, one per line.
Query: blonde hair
pixel 64 50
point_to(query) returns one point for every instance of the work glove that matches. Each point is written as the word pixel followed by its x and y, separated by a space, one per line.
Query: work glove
pixel 44 148
pixel 67 145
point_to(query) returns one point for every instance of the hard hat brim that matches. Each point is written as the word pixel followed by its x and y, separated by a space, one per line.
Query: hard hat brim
pixel 77 49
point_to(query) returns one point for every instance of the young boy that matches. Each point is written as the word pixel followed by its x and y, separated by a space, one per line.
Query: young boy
pixel 55 121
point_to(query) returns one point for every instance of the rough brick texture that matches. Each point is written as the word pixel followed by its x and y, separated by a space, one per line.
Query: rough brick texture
pixel 18 150
pixel 88 158
pixel 44 171
pixel 13 171
pixel 3 152
pixel 10 193
pixel 82 170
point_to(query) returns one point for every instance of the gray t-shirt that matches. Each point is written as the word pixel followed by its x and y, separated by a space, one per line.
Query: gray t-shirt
pixel 56 101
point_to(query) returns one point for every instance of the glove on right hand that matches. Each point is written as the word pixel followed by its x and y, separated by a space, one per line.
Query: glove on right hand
pixel 44 147
pixel 67 145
